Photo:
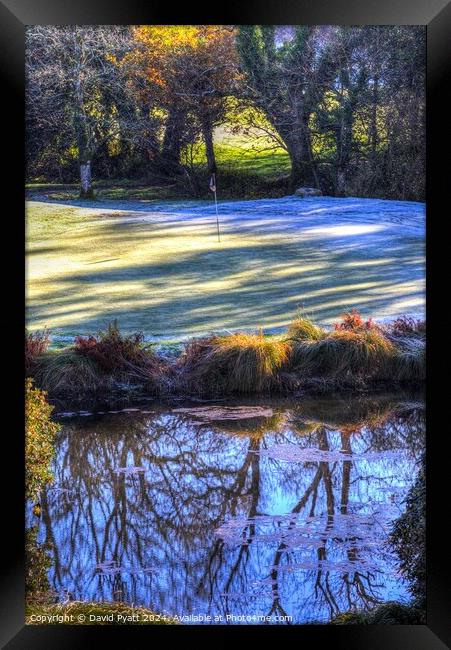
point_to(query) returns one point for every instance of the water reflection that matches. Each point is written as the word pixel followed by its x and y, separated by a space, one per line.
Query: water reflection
pixel 284 514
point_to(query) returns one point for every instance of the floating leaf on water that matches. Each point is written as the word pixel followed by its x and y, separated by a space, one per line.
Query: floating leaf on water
pixel 264 581
pixel 106 563
pixel 138 570
pixel 393 489
pixel 129 470
pixel 214 413
pixel 237 596
pixel 290 538
pixel 351 530
pixel 60 490
pixel 293 453
pixel 111 571
pixel 340 566
pixel 108 567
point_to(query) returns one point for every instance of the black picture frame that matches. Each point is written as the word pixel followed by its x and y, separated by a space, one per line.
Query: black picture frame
pixel 436 15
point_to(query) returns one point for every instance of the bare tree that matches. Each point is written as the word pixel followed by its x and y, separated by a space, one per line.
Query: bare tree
pixel 75 87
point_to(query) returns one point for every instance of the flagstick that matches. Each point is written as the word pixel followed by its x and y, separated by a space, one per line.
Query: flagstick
pixel 217 217
pixel 216 205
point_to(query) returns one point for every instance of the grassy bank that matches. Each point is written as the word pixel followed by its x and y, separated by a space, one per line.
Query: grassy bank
pixel 246 184
pixel 86 613
pixel 354 354
pixel 390 613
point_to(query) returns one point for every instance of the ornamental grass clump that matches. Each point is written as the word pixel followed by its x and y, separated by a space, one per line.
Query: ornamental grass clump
pixel 67 371
pixel 410 361
pixel 303 329
pixel 345 355
pixel 237 363
pixel 106 362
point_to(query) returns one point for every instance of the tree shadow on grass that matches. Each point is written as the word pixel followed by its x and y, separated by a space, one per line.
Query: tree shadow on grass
pixel 172 278
pixel 230 289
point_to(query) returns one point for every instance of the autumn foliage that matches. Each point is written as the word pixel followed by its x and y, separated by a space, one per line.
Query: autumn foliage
pixel 40 433
pixel 170 55
pixel 352 321
pixel 36 343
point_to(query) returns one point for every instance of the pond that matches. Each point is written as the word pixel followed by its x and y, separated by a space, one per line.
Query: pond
pixel 228 510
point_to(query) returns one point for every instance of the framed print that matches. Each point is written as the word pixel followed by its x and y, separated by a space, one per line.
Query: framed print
pixel 228 231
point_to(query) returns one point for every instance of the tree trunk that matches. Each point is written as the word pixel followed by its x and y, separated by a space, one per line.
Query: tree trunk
pixel 82 130
pixel 343 133
pixel 374 136
pixel 172 141
pixel 207 132
pixel 341 182
pixel 303 172
pixel 86 191
pixel 344 147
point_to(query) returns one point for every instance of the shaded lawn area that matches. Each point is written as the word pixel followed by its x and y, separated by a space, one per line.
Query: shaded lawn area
pixel 246 171
pixel 157 267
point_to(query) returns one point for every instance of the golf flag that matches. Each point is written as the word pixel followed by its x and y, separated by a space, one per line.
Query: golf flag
pixel 213 189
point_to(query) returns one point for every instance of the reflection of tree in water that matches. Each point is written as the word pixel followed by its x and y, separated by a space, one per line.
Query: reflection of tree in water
pixel 152 534
pixel 354 587
pixel 182 497
pixel 357 585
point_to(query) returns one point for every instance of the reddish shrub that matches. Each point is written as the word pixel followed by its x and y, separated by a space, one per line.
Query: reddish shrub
pixel 36 343
pixel 85 343
pixel 405 325
pixel 113 351
pixel 352 321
